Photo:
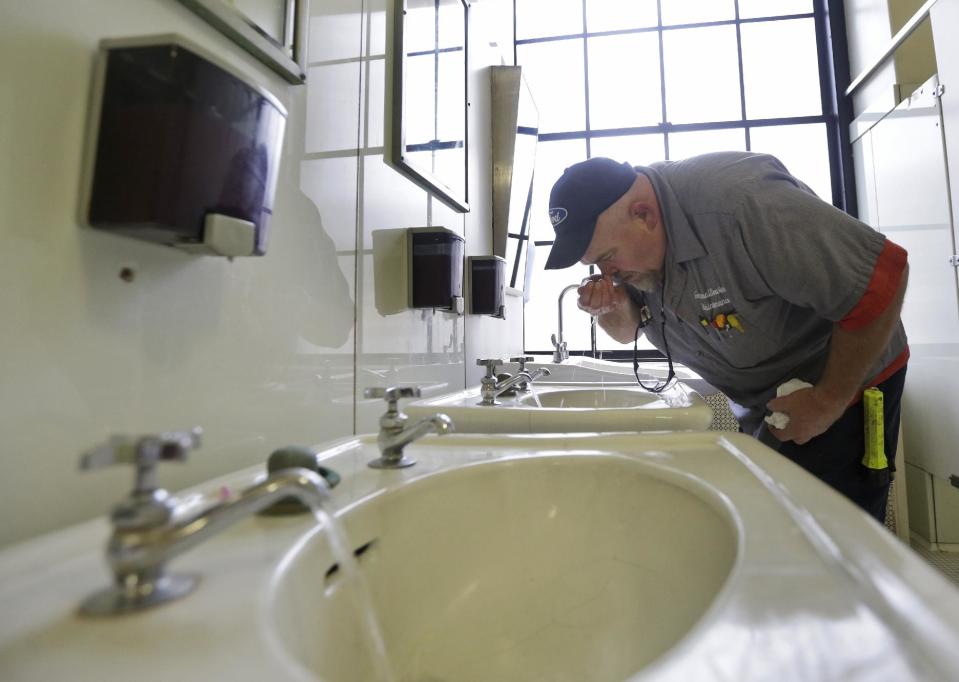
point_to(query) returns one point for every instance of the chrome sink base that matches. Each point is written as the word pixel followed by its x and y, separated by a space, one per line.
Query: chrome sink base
pixel 138 595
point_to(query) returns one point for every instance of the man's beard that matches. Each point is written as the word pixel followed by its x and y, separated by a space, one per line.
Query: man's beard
pixel 644 281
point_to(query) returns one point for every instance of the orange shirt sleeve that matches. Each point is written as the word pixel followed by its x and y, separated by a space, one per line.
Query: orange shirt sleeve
pixel 883 284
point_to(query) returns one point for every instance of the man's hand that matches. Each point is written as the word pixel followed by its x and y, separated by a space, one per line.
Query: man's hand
pixel 810 414
pixel 599 296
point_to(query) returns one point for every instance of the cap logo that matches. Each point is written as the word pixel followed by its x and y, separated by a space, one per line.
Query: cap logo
pixel 557 215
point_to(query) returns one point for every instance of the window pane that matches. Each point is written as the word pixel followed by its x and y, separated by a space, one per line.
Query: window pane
pixel 684 145
pixel 541 310
pixel 610 104
pixel 554 72
pixel 420 84
pixel 516 251
pixel 451 24
pixel 773 8
pixel 780 69
pixel 639 150
pixel 695 11
pixel 802 148
pixel 606 342
pixel 450 97
pixel 702 75
pixel 616 15
pixel 552 158
pixel 419 28
pixel 541 18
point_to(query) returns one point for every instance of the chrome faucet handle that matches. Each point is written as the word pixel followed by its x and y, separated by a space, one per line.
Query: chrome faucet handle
pixel 144 453
pixel 392 395
pixel 142 450
pixel 560 353
pixel 522 360
pixel 491 364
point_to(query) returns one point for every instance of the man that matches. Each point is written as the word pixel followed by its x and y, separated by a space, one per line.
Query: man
pixel 752 281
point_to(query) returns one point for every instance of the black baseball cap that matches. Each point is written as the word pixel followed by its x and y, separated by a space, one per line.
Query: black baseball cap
pixel 585 190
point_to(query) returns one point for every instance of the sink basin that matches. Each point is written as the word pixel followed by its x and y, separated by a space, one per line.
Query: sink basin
pixel 569 408
pixel 649 557
pixel 553 568
pixel 592 398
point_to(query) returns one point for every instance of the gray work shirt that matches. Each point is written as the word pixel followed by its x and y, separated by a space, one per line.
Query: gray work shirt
pixel 746 239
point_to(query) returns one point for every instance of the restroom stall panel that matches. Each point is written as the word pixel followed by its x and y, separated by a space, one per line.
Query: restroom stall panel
pixel 865 179
pixel 913 209
pixel 944 16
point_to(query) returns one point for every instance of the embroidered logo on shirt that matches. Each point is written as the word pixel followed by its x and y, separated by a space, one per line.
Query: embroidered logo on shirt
pixel 557 215
pixel 703 297
pixel 712 299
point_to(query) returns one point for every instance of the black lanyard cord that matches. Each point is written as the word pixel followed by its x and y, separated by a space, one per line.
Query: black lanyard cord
pixel 644 319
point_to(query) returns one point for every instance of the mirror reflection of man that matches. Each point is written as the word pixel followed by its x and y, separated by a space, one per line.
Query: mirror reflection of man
pixel 751 281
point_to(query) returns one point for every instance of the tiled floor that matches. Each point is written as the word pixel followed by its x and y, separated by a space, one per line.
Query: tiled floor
pixel 946 562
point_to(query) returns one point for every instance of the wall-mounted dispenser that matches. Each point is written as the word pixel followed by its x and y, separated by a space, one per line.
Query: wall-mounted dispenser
pixel 486 285
pixel 436 268
pixel 181 149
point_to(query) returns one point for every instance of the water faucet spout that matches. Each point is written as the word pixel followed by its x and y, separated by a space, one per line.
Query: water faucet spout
pixel 137 554
pixel 392 444
pixel 148 532
pixel 560 352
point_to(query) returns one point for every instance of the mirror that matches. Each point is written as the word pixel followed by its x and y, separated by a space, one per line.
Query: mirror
pixel 514 134
pixel 273 31
pixel 426 96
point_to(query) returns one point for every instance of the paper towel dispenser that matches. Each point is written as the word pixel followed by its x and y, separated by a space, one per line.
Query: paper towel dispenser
pixel 436 268
pixel 181 149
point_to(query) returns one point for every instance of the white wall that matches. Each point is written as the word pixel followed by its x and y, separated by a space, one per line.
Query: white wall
pixel 260 352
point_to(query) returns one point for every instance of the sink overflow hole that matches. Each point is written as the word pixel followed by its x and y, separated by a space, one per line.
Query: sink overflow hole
pixel 358 552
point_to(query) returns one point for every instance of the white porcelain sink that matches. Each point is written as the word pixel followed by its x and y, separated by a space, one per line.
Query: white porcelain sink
pixel 568 408
pixel 552 568
pixel 643 557
pixel 582 369
pixel 599 397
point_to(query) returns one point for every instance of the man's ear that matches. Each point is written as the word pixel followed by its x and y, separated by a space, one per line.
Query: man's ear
pixel 644 211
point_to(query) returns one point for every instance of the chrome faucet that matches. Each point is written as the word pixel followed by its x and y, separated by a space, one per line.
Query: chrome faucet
pixel 492 385
pixel 396 433
pixel 523 386
pixel 147 532
pixel 560 353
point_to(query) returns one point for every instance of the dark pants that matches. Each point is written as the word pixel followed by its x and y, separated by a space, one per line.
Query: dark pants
pixel 835 457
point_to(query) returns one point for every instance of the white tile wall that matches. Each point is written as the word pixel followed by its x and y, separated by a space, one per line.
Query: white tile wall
pixel 260 352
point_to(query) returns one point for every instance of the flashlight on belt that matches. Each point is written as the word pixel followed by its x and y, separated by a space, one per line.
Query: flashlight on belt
pixel 874 459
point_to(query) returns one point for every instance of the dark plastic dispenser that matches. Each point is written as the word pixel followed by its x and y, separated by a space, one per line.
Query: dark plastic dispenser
pixel 436 268
pixel 182 150
pixel 486 284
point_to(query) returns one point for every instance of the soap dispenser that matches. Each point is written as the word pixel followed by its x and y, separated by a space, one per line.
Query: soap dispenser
pixel 181 149
pixel 436 268
pixel 486 284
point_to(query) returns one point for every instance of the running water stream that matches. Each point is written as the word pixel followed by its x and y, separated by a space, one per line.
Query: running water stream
pixel 353 580
pixel 534 394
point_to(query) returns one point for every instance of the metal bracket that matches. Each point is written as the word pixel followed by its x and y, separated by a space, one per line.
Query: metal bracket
pixel 954 260
pixel 939 91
